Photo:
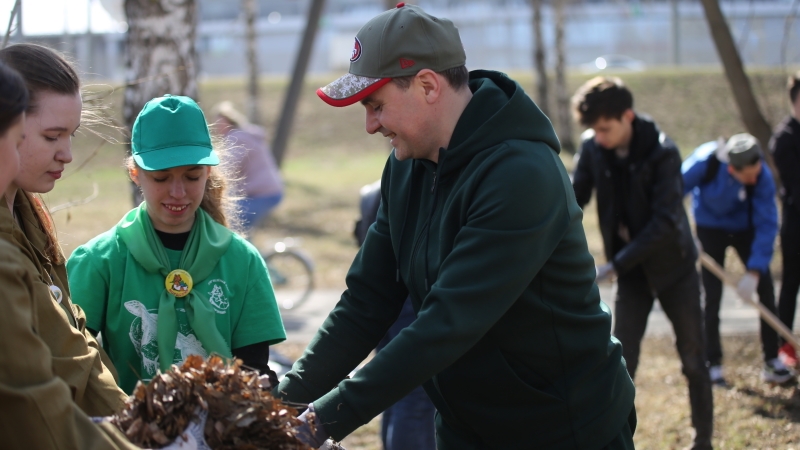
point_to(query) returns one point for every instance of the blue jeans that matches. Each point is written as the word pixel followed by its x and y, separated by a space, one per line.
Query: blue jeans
pixel 409 423
pixel 253 210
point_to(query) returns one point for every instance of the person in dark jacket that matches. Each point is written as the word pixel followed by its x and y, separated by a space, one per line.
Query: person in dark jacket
pixel 635 170
pixel 733 200
pixel 479 225
pixel 785 148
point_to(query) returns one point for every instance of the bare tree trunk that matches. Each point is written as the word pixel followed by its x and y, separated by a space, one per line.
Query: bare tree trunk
pixel 250 13
pixel 750 112
pixel 14 15
pixel 540 58
pixel 562 98
pixel 160 57
pixel 298 75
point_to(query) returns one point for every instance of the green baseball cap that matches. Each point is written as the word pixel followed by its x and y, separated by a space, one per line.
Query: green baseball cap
pixel 396 43
pixel 171 131
pixel 743 150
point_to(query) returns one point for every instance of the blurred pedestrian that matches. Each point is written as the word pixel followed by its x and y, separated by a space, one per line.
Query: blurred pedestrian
pixel 171 279
pixel 635 169
pixel 259 180
pixel 733 200
pixel 478 225
pixel 785 148
pixel 53 116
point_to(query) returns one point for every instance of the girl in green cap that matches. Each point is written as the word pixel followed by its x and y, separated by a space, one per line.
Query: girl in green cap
pixel 53 115
pixel 171 279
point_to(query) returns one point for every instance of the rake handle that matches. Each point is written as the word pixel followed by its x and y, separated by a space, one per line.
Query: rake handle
pixel 712 266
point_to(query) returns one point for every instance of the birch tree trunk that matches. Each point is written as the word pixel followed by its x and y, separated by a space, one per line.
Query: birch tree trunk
pixel 161 57
pixel 540 58
pixel 562 98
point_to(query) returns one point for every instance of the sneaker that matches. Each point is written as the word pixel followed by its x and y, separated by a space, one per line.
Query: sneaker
pixel 787 355
pixel 715 373
pixel 775 372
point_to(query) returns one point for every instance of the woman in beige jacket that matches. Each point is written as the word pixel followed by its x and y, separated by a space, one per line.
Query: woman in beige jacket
pixel 36 407
pixel 53 116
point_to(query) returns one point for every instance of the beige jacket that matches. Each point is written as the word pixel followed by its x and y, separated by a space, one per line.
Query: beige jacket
pixel 76 356
pixel 36 407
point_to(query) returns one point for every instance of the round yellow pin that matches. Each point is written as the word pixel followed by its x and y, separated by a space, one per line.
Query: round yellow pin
pixel 179 283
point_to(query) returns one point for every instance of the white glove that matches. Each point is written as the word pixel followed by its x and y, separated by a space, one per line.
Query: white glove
pixel 604 272
pixel 747 285
pixel 193 438
pixel 316 438
pixel 331 445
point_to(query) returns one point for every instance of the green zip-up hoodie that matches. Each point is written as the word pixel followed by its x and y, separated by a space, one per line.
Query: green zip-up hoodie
pixel 511 340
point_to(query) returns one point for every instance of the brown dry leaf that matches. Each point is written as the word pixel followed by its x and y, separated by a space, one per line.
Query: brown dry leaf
pixel 242 414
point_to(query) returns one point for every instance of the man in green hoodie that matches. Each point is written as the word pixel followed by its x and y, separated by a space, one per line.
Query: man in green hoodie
pixel 478 224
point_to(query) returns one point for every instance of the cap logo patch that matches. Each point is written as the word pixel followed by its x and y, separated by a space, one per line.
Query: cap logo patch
pixel 406 63
pixel 356 51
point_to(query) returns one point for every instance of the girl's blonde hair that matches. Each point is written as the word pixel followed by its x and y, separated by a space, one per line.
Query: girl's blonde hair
pixel 219 197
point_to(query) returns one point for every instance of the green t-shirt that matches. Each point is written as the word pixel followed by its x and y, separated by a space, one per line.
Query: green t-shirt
pixel 121 300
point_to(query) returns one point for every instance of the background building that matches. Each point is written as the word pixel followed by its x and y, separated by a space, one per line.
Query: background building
pixel 497 34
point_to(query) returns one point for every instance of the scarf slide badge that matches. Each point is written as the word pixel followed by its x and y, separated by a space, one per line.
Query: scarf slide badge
pixel 179 283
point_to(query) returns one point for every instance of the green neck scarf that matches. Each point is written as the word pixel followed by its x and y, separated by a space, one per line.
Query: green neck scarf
pixel 207 242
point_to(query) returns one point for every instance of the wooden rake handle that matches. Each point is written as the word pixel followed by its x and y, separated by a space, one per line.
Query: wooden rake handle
pixel 712 266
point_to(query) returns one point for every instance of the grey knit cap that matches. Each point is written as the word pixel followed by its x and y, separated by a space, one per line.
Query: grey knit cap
pixel 743 150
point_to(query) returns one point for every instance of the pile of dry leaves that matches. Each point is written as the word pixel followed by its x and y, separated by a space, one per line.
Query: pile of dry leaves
pixel 242 413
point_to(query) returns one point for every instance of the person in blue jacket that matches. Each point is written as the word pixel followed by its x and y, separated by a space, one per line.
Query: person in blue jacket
pixel 733 200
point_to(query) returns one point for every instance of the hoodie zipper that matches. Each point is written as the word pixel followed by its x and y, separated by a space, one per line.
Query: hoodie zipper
pixel 423 234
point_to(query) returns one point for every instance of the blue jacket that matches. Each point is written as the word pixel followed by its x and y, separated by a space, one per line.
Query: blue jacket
pixel 722 203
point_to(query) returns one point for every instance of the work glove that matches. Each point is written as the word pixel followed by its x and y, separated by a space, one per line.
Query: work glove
pixel 318 438
pixel 193 438
pixel 605 272
pixel 747 285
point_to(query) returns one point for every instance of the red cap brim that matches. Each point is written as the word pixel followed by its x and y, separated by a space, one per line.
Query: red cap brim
pixel 350 89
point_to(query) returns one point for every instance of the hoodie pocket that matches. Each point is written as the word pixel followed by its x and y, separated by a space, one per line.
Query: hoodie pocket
pixel 490 396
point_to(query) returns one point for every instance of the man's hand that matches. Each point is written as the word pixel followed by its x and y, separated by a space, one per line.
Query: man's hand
pixel 748 285
pixel 313 438
pixel 605 272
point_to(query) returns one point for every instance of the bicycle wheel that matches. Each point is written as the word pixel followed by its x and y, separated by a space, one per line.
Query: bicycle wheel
pixel 292 277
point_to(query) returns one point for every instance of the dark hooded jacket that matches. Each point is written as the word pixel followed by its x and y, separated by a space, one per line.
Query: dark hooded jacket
pixel 511 340
pixel 652 204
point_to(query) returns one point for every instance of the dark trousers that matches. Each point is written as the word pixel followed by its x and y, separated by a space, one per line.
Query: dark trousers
pixel 790 248
pixel 714 243
pixel 408 424
pixel 681 304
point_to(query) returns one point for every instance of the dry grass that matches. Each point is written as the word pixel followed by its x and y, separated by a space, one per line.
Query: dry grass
pixel 330 157
pixel 748 415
